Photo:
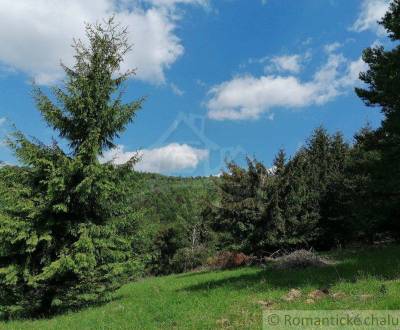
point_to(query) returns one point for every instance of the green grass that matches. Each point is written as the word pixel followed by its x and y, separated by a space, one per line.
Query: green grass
pixel 230 299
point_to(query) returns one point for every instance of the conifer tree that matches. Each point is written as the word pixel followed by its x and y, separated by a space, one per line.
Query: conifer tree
pixel 276 229
pixel 356 199
pixel 58 245
pixel 279 163
pixel 241 213
pixel 383 86
pixel 317 150
pixel 301 210
pixel 336 223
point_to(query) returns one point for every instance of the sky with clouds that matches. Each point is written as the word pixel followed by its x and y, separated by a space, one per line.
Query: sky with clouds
pixel 223 78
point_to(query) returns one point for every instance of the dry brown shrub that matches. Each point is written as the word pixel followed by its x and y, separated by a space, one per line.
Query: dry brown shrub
pixel 226 260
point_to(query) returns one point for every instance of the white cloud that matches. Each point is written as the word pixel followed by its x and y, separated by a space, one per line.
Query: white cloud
pixel 172 3
pixel 176 90
pixel 201 83
pixel 36 35
pixel 307 41
pixel 372 11
pixel 330 48
pixel 2 121
pixel 247 97
pixel 284 63
pixel 353 72
pixel 290 63
pixel 171 158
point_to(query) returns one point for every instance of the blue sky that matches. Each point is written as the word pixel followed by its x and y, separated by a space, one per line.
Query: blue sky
pixel 223 78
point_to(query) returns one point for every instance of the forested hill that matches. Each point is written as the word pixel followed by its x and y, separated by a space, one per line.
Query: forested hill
pixel 168 198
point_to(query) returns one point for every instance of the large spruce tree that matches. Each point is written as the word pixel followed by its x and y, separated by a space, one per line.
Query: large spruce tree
pixel 58 247
pixel 241 212
pixel 383 90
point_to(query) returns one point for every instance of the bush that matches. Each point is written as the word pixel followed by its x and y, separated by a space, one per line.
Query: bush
pixel 226 260
pixel 187 258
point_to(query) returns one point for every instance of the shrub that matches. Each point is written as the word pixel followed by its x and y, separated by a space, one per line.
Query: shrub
pixel 188 258
pixel 299 259
pixel 226 260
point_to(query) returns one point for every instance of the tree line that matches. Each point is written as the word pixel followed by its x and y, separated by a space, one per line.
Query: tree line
pixel 330 193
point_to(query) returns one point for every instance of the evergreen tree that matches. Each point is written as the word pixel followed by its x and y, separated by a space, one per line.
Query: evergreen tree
pixel 318 159
pixel 299 203
pixel 336 223
pixel 276 229
pixel 383 85
pixel 361 203
pixel 279 163
pixel 58 245
pixel 241 212
pixel 301 210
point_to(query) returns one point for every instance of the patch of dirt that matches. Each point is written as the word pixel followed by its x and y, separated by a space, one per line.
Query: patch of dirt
pixel 293 294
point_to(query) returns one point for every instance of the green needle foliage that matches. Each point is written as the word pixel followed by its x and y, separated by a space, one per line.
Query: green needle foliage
pixel 61 244
pixel 292 205
pixel 383 85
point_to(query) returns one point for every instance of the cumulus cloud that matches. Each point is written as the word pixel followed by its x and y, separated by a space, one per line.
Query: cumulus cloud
pixel 247 97
pixel 353 72
pixel 290 63
pixel 171 158
pixel 37 35
pixel 372 11
pixel 284 63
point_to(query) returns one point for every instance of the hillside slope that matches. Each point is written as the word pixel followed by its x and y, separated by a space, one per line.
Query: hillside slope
pixel 367 279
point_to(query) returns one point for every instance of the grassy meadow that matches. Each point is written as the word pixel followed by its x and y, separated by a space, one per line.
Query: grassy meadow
pixel 233 299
